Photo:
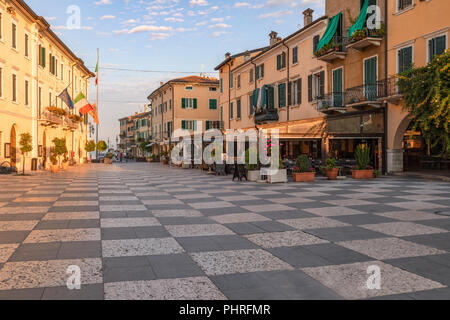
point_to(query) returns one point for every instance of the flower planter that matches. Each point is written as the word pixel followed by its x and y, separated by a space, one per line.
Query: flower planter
pixel 279 177
pixel 362 174
pixel 165 162
pixel 304 176
pixel 54 168
pixel 332 173
pixel 254 175
pixel 108 161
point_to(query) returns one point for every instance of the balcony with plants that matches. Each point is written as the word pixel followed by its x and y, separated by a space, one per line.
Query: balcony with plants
pixel 53 116
pixel 331 103
pixel 332 45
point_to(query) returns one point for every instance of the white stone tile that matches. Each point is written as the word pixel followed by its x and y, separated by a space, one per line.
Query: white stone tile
pixel 197 230
pixel 416 205
pixel 239 218
pixel 349 202
pixel 194 196
pixel 112 208
pixel 88 215
pixel 409 215
pixel 238 198
pixel 290 200
pixel 350 280
pixel 177 213
pixel 333 211
pixel 284 239
pixel 25 225
pixel 23 210
pixel 389 248
pixel 140 247
pixel 238 261
pixel 161 202
pixel 313 223
pixel 197 288
pixel 129 222
pixel 268 207
pixel 35 199
pixel 7 250
pixel 211 205
pixel 403 229
pixel 44 274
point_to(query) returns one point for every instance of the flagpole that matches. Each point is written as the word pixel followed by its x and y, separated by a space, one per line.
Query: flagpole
pixel 97 107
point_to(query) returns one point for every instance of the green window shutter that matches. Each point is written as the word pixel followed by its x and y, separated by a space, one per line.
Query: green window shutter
pixel 231 110
pixel 183 124
pixel 195 125
pixel 238 109
pixel 310 80
pixel 322 83
pixel 44 56
pixel 231 80
pixel 221 85
pixel 439 45
pixel 299 91
pixel 282 95
pixel 53 65
pixel 271 97
pixel 183 103
pixel 195 103
pixel 207 125
pixel 278 62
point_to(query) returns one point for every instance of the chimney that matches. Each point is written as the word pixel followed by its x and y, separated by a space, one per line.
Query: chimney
pixel 308 13
pixel 161 83
pixel 273 38
pixel 227 55
pixel 146 108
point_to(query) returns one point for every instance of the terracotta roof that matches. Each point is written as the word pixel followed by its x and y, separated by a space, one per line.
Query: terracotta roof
pixel 189 79
pixel 239 55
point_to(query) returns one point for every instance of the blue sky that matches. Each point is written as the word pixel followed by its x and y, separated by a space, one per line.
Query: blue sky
pixel 164 35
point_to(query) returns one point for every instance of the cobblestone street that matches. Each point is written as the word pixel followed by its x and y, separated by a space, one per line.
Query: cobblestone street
pixel 144 231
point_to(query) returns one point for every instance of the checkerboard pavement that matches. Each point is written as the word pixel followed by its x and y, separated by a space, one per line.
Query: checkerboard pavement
pixel 144 231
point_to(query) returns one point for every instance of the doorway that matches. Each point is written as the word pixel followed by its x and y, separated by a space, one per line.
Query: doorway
pixel 13 147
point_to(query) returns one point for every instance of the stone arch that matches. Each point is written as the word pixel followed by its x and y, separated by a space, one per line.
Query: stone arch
pixel 400 132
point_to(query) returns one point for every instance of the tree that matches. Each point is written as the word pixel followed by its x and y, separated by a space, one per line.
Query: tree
pixel 102 146
pixel 426 95
pixel 90 146
pixel 25 146
pixel 144 148
pixel 60 148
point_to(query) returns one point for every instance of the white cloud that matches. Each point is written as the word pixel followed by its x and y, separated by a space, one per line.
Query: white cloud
pixel 102 2
pixel 198 3
pixel 108 17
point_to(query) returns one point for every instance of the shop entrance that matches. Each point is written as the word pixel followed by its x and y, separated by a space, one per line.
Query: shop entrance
pixel 343 150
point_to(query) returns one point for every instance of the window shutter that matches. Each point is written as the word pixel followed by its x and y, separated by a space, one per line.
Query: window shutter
pixel 195 103
pixel 43 57
pixel 322 83
pixel 207 125
pixel 440 44
pixel 299 91
pixel 231 110
pixel 290 87
pixel 400 61
pixel 271 97
pixel 315 43
pixel 262 71
pixel 310 97
pixel 195 125
pixel 278 62
pixel 183 103
pixel 407 59
pixel 252 106
pixel 282 95
pixel 183 124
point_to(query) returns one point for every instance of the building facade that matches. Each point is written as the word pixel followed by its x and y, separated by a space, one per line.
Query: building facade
pixel 35 67
pixel 189 103
pixel 287 77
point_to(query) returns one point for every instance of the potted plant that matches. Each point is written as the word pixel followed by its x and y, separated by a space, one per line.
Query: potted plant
pixel 25 146
pixel 60 148
pixel 253 171
pixel 54 167
pixel 303 172
pixel 280 176
pixel 90 146
pixel 164 156
pixel 102 146
pixel 362 169
pixel 331 170
pixel 65 162
pixel 109 158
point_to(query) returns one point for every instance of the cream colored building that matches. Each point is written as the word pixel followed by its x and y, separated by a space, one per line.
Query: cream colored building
pixel 292 79
pixel 188 103
pixel 35 67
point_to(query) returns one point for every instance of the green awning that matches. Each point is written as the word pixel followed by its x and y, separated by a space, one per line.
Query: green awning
pixel 359 24
pixel 330 32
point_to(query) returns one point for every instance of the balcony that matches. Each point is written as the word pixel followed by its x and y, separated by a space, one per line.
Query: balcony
pixel 331 103
pixel 71 124
pixel 363 96
pixel 336 49
pixel 266 115
pixel 49 119
pixel 389 91
pixel 366 38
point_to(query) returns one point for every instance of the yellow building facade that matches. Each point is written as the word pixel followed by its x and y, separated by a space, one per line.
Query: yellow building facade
pixel 35 67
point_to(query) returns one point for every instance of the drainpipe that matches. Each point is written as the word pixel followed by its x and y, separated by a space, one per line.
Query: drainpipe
pixel 288 75
pixel 386 108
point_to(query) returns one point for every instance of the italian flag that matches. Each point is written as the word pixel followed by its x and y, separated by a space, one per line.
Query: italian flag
pixel 96 74
pixel 81 104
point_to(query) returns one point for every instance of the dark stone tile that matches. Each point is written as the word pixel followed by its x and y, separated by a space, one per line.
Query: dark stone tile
pixel 122 262
pixel 7 237
pixel 87 292
pixel 345 234
pixel 299 257
pixel 84 224
pixel 80 250
pixel 436 294
pixel 215 243
pixel 437 223
pixel 283 215
pixel 22 294
pixel 439 240
pixel 381 208
pixel 128 273
pixel 36 252
pixel 174 266
pixel 151 232
pixel 362 219
pixel 22 217
pixel 118 233
pixel 52 225
pixel 167 221
pixel 244 228
pixel 272 226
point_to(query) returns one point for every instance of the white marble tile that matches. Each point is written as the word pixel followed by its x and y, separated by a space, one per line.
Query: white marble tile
pixel 197 230
pixel 23 210
pixel 417 205
pixel 211 205
pixel 268 208
pixel 140 247
pixel 120 208
pixel 284 239
pixel 409 215
pixel 333 211
pixel 313 223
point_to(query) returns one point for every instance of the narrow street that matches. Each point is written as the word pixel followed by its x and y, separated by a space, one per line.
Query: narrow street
pixel 147 231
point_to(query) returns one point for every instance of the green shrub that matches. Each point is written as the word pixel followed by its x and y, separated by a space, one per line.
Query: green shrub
pixel 362 157
pixel 303 164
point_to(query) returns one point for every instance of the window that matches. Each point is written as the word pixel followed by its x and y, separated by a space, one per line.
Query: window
pixel 170 104
pixel 189 103
pixel 42 56
pixel 189 88
pixel 405 59
pixel 251 75
pixel 231 111
pixel 282 95
pixel 212 89
pixel 231 80
pixel 295 92
pixel 316 86
pixel 14 88
pixel 50 99
pixel 14 36
pixel 239 81
pixel 26 45
pixel 212 104
pixel 26 92
pixel 189 125
pixel 1 26
pixel 436 46
pixel 62 72
pixel 403 4
pixel 238 109
pixel 212 125
pixel 315 43
pixel 221 85
pixel 260 72
pixel 295 55
pixel 281 61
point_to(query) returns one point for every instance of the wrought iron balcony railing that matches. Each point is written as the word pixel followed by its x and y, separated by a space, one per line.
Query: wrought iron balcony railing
pixel 330 101
pixel 266 115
